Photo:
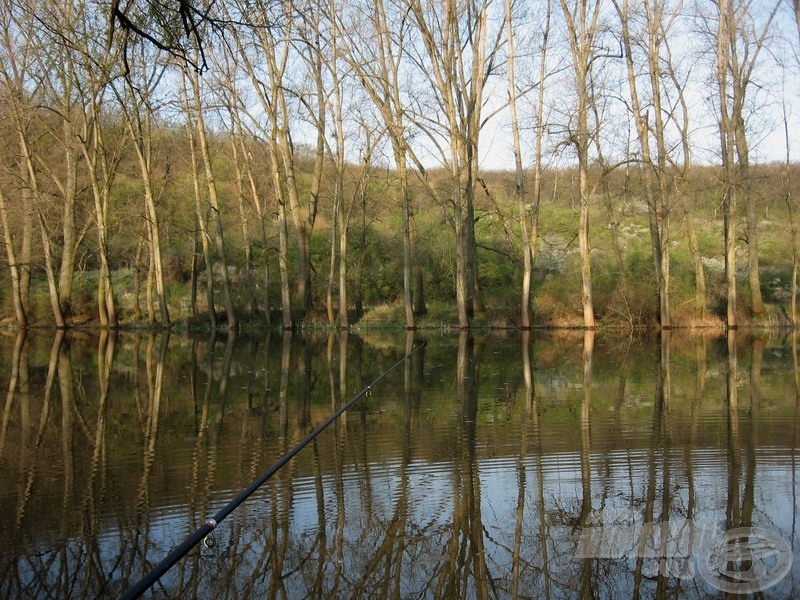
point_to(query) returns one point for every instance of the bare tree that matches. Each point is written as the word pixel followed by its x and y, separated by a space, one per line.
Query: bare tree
pixel 53 71
pixel 679 116
pixel 374 44
pixel 20 308
pixel 277 46
pixel 310 49
pixel 457 57
pixel 18 99
pixel 727 142
pixel 582 20
pixel 738 45
pixel 528 210
pixel 519 172
pixel 324 58
pixel 341 213
pixel 647 90
pixel 202 238
pixel 788 198
pixel 96 64
pixel 213 198
pixel 273 44
pixel 136 95
pixel 246 186
pixel 361 197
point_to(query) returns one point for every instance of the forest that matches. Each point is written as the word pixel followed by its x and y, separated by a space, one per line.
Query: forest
pixel 411 163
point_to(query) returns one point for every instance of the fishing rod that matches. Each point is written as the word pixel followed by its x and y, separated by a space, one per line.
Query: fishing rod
pixel 202 532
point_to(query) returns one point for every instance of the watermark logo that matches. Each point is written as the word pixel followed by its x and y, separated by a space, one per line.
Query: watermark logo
pixel 740 561
pixel 746 560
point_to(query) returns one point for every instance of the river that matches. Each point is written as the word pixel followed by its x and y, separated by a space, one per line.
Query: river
pixel 485 465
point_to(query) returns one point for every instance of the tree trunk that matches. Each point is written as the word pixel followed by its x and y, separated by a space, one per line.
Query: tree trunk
pixel 743 184
pixel 344 318
pixel 584 246
pixel 462 278
pixel 279 178
pixel 286 303
pixel 308 216
pixel 787 197
pixel 16 289
pixel 738 47
pixel 340 212
pixel 195 272
pixel 417 270
pixel 27 241
pixel 213 199
pixel 150 297
pixel 697 263
pixel 377 64
pixel 301 229
pixel 52 285
pixel 102 175
pixel 156 263
pixel 582 28
pixel 727 143
pixel 753 269
pixel 533 230
pixel 729 224
pixel 479 70
pixel 200 216
pixel 654 168
pixel 239 166
pixel 70 237
pixel 334 248
pixel 525 319
pixel 246 179
pixel 358 275
pixel 105 290
pixel 137 279
pixel 408 246
pixel 528 217
pixel 793 314
pixel 33 183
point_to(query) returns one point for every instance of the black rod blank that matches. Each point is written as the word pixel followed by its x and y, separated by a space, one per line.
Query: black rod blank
pixel 190 542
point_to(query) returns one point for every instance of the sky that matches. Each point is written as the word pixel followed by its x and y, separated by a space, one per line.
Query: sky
pixel 774 97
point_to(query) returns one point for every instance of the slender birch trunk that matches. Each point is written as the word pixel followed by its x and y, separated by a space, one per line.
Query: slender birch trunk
pixel 582 29
pixel 727 145
pixel 213 199
pixel 142 145
pixel 376 59
pixel 20 311
pixel 200 213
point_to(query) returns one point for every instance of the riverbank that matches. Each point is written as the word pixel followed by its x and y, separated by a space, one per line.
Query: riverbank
pixel 497 313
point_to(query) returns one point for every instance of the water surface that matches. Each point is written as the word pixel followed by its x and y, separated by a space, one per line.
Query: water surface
pixel 499 465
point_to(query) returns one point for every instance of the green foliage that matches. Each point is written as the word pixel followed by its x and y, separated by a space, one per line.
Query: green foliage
pixel 777 284
pixel 557 298
pixel 84 294
pixel 630 298
pixel 683 286
pixel 498 279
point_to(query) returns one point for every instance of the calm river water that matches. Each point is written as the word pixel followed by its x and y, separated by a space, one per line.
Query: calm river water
pixel 493 465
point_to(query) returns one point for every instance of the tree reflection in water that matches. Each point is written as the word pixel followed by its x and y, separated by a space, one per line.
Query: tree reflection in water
pixel 472 471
